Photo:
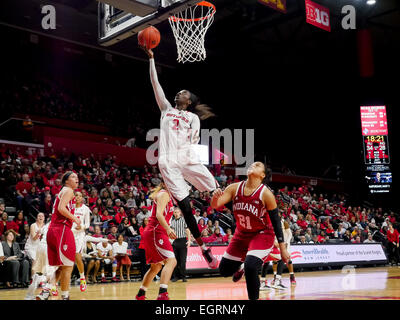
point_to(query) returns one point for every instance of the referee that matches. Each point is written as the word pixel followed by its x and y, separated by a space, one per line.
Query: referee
pixel 180 245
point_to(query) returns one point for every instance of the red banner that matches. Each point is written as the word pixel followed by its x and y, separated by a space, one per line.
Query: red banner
pixel 195 259
pixel 373 120
pixel 318 15
pixel 134 157
pixel 279 5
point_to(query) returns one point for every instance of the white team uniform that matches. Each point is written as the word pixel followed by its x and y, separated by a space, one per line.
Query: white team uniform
pixel 31 245
pixel 178 161
pixel 41 262
pixel 104 251
pixel 83 213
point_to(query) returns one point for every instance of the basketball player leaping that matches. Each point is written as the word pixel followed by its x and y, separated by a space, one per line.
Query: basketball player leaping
pixel 179 131
pixel 258 221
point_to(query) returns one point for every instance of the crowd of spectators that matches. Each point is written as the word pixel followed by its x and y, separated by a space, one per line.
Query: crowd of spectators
pixel 119 204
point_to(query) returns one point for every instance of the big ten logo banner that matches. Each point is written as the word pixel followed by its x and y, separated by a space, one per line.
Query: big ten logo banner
pixel 279 5
pixel 317 15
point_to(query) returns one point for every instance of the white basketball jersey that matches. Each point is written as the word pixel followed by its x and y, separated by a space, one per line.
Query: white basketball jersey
pixel 83 213
pixel 178 130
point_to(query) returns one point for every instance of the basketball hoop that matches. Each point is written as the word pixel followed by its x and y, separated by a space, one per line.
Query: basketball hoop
pixel 189 27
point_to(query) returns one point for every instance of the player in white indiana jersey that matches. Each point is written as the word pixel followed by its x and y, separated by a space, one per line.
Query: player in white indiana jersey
pixel 82 212
pixel 178 163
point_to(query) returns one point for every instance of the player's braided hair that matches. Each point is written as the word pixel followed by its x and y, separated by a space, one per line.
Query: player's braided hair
pixel 202 110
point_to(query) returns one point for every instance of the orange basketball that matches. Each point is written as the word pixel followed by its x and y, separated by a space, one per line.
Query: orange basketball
pixel 149 37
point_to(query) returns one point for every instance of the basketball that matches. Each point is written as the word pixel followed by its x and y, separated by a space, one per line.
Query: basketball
pixel 149 37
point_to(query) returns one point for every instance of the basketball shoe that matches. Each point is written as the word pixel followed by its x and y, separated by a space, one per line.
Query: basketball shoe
pixel 115 279
pixel 278 284
pixel 238 274
pixel 211 260
pixel 43 295
pixel 264 286
pixel 103 279
pixel 163 296
pixel 83 285
pixel 140 297
pixel 54 291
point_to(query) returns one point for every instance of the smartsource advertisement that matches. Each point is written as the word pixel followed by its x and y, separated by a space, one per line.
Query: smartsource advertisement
pixel 307 254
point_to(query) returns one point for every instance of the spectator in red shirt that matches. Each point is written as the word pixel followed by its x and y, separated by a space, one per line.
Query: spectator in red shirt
pixel 216 237
pixel 22 188
pixel 330 231
pixel 202 225
pixel 301 222
pixel 7 225
pixel 113 235
pixel 121 214
pixel 393 244
pixel 55 190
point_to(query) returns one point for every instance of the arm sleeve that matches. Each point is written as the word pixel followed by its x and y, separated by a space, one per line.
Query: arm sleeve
pixel 87 218
pixel 162 101
pixel 195 130
pixel 276 223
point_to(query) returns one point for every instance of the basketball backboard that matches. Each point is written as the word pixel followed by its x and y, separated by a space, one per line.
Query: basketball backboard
pixel 120 19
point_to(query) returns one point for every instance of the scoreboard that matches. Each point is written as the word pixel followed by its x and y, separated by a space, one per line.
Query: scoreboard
pixel 376 149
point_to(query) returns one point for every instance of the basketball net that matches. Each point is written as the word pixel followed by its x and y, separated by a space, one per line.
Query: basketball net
pixel 189 27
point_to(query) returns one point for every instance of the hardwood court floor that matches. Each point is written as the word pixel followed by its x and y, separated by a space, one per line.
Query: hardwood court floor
pixel 381 283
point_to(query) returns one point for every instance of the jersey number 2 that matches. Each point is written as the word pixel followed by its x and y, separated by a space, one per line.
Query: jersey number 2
pixel 244 221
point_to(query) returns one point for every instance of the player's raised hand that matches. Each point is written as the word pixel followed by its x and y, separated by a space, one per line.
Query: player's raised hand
pixel 149 52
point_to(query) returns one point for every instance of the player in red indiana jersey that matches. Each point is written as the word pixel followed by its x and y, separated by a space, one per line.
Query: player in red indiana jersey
pixel 156 243
pixel 60 239
pixel 258 221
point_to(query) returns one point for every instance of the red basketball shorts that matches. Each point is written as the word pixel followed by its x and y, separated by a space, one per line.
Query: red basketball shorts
pixel 156 245
pixel 257 244
pixel 60 245
pixel 275 255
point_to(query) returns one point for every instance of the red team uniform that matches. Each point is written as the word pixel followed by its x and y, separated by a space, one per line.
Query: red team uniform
pixel 60 239
pixel 254 232
pixel 155 238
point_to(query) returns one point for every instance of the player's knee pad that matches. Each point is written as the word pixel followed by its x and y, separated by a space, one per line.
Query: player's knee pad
pixel 228 267
pixel 252 264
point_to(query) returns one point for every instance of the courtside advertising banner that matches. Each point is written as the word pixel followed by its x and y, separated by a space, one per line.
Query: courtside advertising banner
pixel 331 253
pixel 305 254
pixel 318 15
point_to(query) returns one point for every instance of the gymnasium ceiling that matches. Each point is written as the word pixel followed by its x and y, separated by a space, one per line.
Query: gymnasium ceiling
pixel 243 25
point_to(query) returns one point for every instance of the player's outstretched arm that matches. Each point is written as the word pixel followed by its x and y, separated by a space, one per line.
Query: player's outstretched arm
pixel 220 197
pixel 162 101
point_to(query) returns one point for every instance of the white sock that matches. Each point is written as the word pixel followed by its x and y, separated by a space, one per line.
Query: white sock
pixel 164 286
pixel 278 277
pixel 262 279
pixel 64 293
pixel 82 275
pixel 114 274
pixel 143 288
pixel 102 275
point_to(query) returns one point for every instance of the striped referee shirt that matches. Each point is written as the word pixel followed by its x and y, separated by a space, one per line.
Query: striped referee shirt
pixel 179 226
